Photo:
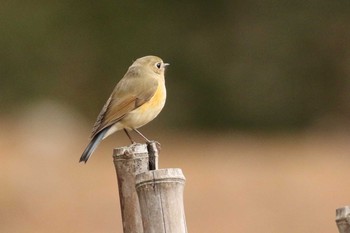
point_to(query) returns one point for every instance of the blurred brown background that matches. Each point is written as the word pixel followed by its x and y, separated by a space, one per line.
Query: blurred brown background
pixel 257 114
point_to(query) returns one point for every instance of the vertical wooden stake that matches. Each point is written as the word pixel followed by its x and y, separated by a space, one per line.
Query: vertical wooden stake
pixel 153 155
pixel 343 219
pixel 160 195
pixel 130 161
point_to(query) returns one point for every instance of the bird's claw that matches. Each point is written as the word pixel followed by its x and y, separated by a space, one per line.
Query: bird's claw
pixel 157 144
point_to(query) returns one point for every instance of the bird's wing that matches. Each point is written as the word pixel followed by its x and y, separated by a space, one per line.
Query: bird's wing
pixel 129 94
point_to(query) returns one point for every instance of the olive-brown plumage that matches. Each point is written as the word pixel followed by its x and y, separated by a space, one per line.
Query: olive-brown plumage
pixel 136 100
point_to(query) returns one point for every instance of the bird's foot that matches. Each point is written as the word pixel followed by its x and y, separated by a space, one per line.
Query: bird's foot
pixel 153 148
pixel 157 144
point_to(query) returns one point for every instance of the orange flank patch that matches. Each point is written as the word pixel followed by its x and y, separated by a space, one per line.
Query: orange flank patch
pixel 156 102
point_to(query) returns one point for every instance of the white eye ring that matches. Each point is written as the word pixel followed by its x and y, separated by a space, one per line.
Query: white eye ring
pixel 159 65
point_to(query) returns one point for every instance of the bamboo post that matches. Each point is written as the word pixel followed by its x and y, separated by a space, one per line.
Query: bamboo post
pixel 343 219
pixel 130 161
pixel 160 195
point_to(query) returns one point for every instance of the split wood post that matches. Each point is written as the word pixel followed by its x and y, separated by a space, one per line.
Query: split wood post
pixel 160 195
pixel 130 161
pixel 343 219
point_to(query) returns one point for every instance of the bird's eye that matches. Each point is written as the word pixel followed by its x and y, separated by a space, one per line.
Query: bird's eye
pixel 158 65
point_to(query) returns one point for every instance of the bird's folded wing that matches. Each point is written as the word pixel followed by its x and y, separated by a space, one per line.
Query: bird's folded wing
pixel 117 106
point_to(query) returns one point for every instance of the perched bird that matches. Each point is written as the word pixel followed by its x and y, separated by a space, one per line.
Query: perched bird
pixel 136 100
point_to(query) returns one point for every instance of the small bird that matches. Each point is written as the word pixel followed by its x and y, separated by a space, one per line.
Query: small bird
pixel 136 100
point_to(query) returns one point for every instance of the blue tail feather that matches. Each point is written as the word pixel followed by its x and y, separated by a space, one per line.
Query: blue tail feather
pixel 95 141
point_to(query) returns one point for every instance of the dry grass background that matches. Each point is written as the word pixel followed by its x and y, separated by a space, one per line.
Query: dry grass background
pixel 238 182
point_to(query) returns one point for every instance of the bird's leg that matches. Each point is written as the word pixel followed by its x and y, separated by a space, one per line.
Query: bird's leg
pixel 141 135
pixel 127 134
pixel 147 140
pixel 152 147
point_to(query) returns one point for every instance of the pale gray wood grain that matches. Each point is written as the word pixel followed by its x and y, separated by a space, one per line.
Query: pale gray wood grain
pixel 343 219
pixel 160 195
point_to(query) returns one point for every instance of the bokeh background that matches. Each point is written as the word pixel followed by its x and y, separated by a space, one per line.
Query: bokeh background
pixel 257 116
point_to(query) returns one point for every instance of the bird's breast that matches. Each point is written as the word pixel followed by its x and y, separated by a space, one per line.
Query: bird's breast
pixel 148 111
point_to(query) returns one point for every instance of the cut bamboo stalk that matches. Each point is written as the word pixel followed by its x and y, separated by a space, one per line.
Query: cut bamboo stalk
pixel 343 219
pixel 160 195
pixel 130 161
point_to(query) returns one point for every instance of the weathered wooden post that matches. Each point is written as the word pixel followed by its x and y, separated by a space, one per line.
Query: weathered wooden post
pixel 160 195
pixel 130 161
pixel 151 200
pixel 343 219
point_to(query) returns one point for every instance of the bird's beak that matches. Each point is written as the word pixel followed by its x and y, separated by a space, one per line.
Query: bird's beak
pixel 165 65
